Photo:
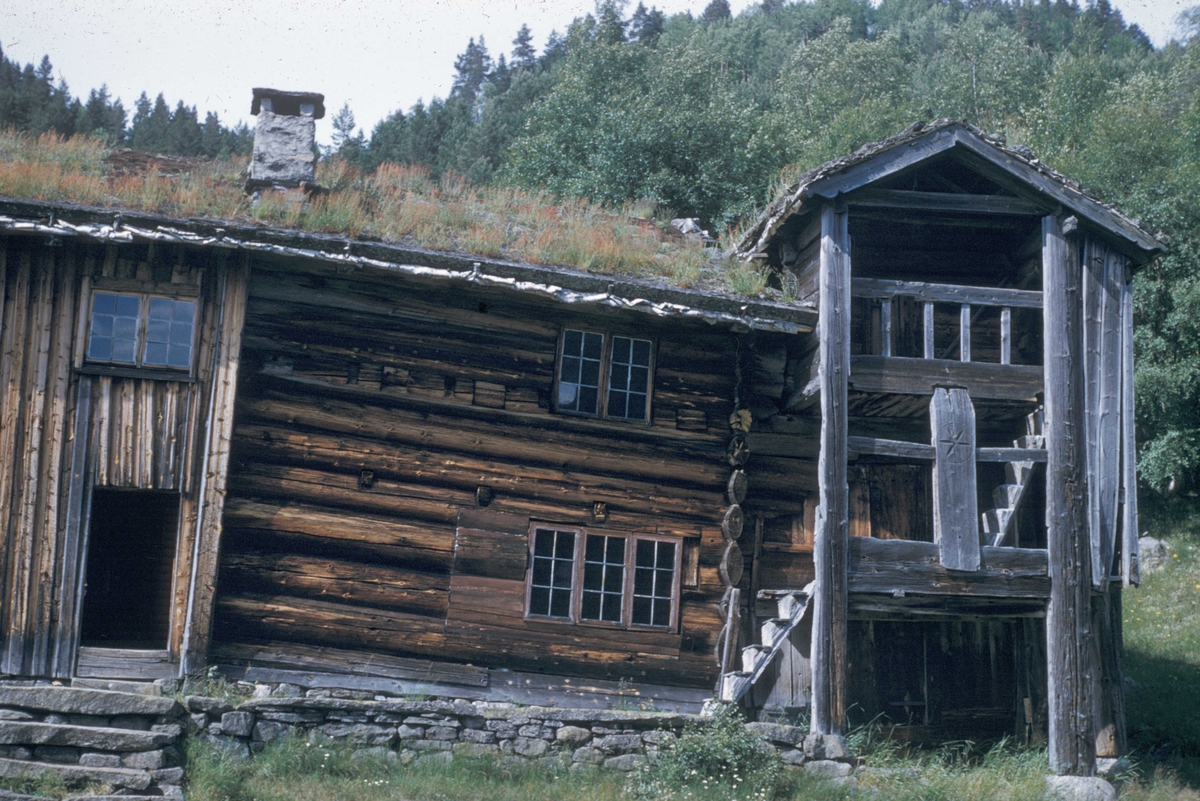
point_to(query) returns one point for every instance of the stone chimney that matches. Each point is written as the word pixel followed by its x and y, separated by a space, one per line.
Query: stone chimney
pixel 284 138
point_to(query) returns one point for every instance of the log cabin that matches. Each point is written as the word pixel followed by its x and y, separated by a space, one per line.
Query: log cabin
pixel 906 490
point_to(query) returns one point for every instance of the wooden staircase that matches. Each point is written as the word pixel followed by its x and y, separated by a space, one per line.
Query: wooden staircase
pixel 998 522
pixel 756 658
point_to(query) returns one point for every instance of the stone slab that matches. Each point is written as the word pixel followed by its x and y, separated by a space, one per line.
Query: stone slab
pixel 77 701
pixel 75 774
pixel 95 738
pixel 115 685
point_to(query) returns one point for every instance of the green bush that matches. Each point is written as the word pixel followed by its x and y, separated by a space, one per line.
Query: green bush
pixel 717 759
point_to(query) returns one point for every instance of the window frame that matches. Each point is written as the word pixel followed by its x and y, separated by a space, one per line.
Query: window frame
pixel 607 336
pixel 575 617
pixel 145 293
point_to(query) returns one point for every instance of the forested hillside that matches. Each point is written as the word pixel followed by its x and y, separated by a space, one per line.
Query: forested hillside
pixel 31 101
pixel 707 114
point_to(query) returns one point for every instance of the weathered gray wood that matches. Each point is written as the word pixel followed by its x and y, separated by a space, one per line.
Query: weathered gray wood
pixel 907 567
pixel 510 687
pixel 1071 657
pixel 964 333
pixel 832 523
pixel 873 446
pixel 946 202
pixel 66 638
pixel 885 325
pixel 1129 515
pixel 946 293
pixel 927 329
pixel 317 659
pixel 1009 170
pixel 1006 335
pixel 911 376
pixel 198 625
pixel 123 663
pixel 1103 275
pixel 1010 455
pixel 1111 740
pixel 955 505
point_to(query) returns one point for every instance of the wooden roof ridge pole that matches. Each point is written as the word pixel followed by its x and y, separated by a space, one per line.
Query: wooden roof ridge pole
pixel 831 546
pixel 1071 668
pixel 198 626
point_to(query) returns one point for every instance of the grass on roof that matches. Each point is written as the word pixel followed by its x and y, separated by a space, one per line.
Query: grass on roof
pixel 397 203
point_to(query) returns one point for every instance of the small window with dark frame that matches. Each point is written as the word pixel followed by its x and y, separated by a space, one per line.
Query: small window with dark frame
pixel 579 377
pixel 653 583
pixel 602 375
pixel 629 378
pixel 602 578
pixel 141 331
pixel 552 578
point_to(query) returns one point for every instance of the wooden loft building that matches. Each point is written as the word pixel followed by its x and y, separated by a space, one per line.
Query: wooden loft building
pixel 341 463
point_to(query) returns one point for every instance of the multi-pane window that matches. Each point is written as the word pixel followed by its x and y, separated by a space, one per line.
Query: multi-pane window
pixel 141 331
pixel 583 576
pixel 553 573
pixel 602 375
pixel 603 579
pixel 579 378
pixel 629 378
pixel 653 582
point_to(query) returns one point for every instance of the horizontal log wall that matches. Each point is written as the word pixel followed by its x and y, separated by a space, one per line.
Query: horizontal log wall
pixel 370 414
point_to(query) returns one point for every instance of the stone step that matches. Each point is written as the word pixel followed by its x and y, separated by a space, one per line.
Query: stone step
pixel 5 795
pixel 75 774
pixel 96 738
pixel 115 685
pixel 79 701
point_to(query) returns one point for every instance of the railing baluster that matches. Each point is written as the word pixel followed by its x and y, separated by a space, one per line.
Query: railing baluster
pixel 928 329
pixel 1006 335
pixel 885 319
pixel 964 332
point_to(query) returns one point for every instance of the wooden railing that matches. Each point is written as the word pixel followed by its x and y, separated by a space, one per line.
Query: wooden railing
pixel 967 297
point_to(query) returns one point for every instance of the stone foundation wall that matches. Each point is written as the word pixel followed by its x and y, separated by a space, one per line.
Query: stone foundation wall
pixel 448 729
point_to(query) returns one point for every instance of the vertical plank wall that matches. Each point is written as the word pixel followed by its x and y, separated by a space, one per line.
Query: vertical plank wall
pixel 65 429
pixel 39 287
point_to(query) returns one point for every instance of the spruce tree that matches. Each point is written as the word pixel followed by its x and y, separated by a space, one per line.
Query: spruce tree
pixel 523 54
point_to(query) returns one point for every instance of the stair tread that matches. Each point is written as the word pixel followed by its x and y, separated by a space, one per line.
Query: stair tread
pixel 80 701
pixel 103 738
pixel 120 777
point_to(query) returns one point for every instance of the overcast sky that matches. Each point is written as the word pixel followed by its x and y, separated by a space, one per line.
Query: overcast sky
pixel 378 55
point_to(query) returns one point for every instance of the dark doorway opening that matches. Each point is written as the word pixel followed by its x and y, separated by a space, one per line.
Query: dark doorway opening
pixel 130 563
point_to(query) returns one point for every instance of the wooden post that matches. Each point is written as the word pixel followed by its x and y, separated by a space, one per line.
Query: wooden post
pixel 928 329
pixel 955 505
pixel 885 317
pixel 1070 652
pixel 831 544
pixel 198 626
pixel 1006 335
pixel 964 332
